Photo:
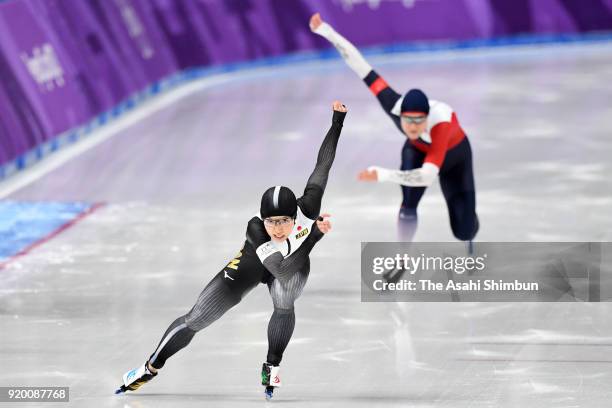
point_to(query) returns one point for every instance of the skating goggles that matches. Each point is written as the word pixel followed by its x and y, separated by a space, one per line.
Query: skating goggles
pixel 414 119
pixel 277 222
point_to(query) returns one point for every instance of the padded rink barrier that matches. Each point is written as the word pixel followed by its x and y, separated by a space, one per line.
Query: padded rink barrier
pixel 69 67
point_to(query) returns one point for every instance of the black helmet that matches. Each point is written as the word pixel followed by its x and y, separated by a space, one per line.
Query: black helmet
pixel 278 200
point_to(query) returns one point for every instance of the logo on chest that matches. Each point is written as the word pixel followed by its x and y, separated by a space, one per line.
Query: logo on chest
pixel 301 233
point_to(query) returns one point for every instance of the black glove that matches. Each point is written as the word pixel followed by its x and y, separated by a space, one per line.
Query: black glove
pixel 315 232
pixel 256 232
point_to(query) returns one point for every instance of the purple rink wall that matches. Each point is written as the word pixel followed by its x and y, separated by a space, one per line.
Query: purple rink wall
pixel 69 65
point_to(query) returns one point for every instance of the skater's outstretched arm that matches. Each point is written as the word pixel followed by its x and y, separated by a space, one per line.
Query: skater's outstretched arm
pixel 387 97
pixel 271 258
pixel 310 202
pixel 420 177
pixel 423 176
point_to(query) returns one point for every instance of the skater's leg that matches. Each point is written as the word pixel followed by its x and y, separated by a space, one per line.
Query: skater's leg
pixel 176 337
pixel 457 185
pixel 222 293
pixel 463 218
pixel 407 222
pixel 280 330
pixel 216 299
pixel 282 322
pixel 407 218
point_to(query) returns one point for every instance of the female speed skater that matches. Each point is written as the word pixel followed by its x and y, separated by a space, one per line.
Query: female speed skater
pixel 435 146
pixel 276 252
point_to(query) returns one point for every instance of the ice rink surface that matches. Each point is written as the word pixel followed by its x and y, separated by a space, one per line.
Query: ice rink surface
pixel 180 185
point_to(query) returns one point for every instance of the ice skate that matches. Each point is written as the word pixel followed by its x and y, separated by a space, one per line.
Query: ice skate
pixel 134 379
pixel 270 379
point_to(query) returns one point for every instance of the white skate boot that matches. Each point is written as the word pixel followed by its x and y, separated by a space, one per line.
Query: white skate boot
pixel 270 379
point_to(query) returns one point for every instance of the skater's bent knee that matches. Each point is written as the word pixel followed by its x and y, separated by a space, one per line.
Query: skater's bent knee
pixel 284 310
pixel 465 232
pixel 463 236
pixel 190 321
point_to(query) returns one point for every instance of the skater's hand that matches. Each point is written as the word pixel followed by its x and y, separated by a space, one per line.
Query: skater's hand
pixel 256 232
pixel 339 107
pixel 368 175
pixel 323 223
pixel 315 21
pixel 339 112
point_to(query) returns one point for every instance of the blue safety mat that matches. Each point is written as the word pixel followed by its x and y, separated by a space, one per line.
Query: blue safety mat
pixel 25 223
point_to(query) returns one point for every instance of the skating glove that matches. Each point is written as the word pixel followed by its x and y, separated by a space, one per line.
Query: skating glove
pixel 256 232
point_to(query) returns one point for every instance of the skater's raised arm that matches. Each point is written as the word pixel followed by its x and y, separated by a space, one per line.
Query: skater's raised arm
pixel 271 258
pixel 348 51
pixel 387 97
pixel 310 202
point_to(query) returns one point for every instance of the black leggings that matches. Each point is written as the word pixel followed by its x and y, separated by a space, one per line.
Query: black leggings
pixel 225 291
pixel 457 183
